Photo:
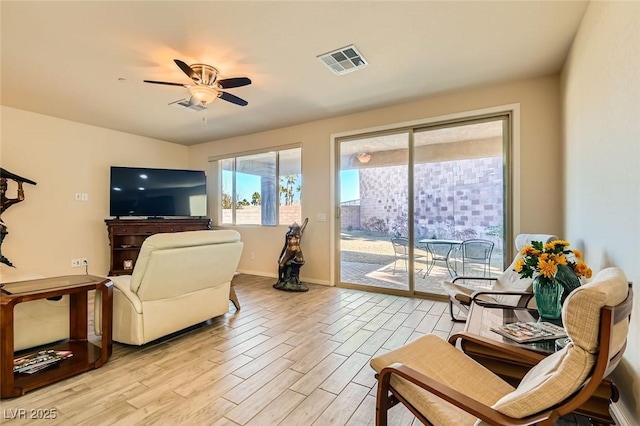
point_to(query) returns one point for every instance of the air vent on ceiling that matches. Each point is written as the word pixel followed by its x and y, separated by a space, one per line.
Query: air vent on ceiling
pixel 344 60
pixel 186 104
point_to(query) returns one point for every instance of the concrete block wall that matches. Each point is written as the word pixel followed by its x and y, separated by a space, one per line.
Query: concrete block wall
pixel 453 199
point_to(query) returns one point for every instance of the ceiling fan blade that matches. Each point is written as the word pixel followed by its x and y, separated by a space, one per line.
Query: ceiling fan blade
pixel 233 99
pixel 165 83
pixel 229 83
pixel 187 70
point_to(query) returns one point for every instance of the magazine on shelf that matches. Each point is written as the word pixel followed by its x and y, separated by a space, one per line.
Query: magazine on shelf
pixel 29 364
pixel 525 332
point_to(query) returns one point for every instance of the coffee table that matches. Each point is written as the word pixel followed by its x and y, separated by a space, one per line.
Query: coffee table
pixel 511 369
pixel 86 355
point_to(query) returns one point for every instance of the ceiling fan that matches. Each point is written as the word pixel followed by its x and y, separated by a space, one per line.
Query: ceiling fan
pixel 207 87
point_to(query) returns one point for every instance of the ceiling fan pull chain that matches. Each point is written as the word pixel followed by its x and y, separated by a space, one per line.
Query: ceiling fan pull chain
pixel 204 122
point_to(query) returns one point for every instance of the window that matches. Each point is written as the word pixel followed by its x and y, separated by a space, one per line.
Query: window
pixel 290 186
pixel 262 188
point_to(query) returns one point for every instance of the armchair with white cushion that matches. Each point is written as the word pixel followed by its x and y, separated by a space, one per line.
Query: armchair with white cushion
pixel 506 290
pixel 179 280
pixel 442 385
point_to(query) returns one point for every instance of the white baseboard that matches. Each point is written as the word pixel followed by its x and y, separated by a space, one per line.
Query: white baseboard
pixel 312 281
pixel 269 275
pixel 620 414
pixel 258 273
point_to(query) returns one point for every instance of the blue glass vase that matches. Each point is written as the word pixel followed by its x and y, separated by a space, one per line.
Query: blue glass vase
pixel 567 279
pixel 548 298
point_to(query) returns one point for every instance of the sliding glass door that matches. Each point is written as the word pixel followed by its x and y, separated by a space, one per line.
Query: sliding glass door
pixel 422 205
pixel 459 208
pixel 374 211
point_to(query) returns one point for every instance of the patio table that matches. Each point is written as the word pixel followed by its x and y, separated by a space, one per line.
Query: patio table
pixel 440 250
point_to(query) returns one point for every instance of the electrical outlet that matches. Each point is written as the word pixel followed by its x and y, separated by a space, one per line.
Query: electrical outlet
pixel 84 196
pixel 76 263
pixel 253 255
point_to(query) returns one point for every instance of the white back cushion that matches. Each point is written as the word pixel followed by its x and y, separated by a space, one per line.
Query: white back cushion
pixel 581 314
pixel 177 263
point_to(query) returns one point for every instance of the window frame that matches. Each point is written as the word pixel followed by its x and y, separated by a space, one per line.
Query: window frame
pixel 217 198
pixel 510 116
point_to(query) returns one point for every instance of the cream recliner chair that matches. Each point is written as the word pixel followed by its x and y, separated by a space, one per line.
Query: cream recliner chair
pixel 179 280
pixel 505 290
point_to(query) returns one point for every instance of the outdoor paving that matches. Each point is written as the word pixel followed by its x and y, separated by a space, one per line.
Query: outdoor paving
pixel 367 258
pixel 384 276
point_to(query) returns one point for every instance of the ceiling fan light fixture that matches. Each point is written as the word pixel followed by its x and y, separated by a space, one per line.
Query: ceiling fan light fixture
pixel 204 74
pixel 364 157
pixel 203 94
pixel 207 86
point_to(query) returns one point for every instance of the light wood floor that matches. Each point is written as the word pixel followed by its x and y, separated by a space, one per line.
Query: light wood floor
pixel 283 359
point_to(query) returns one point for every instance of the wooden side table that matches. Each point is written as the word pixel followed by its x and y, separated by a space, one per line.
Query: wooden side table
pixel 482 319
pixel 86 355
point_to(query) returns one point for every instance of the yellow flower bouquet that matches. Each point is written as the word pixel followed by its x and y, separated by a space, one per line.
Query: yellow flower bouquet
pixel 549 259
pixel 552 265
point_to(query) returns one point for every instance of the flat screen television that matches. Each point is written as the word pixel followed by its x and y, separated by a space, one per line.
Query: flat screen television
pixel 157 193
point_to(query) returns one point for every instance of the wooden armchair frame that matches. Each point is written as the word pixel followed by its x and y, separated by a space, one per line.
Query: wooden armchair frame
pixel 387 396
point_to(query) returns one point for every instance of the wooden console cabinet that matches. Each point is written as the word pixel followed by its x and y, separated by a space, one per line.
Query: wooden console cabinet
pixel 126 238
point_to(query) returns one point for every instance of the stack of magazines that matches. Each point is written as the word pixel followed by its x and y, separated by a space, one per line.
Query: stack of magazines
pixel 524 332
pixel 29 364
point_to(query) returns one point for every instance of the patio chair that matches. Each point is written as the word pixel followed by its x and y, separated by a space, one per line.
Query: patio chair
pixel 475 252
pixel 401 252
pixel 508 289
pixel 440 384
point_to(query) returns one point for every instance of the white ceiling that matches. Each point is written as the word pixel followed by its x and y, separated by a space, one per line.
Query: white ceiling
pixel 65 59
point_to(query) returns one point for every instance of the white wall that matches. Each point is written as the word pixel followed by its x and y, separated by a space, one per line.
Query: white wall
pixel 601 106
pixel 540 185
pixel 49 228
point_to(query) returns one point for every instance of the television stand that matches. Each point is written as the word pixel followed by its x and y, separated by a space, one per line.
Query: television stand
pixel 126 238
